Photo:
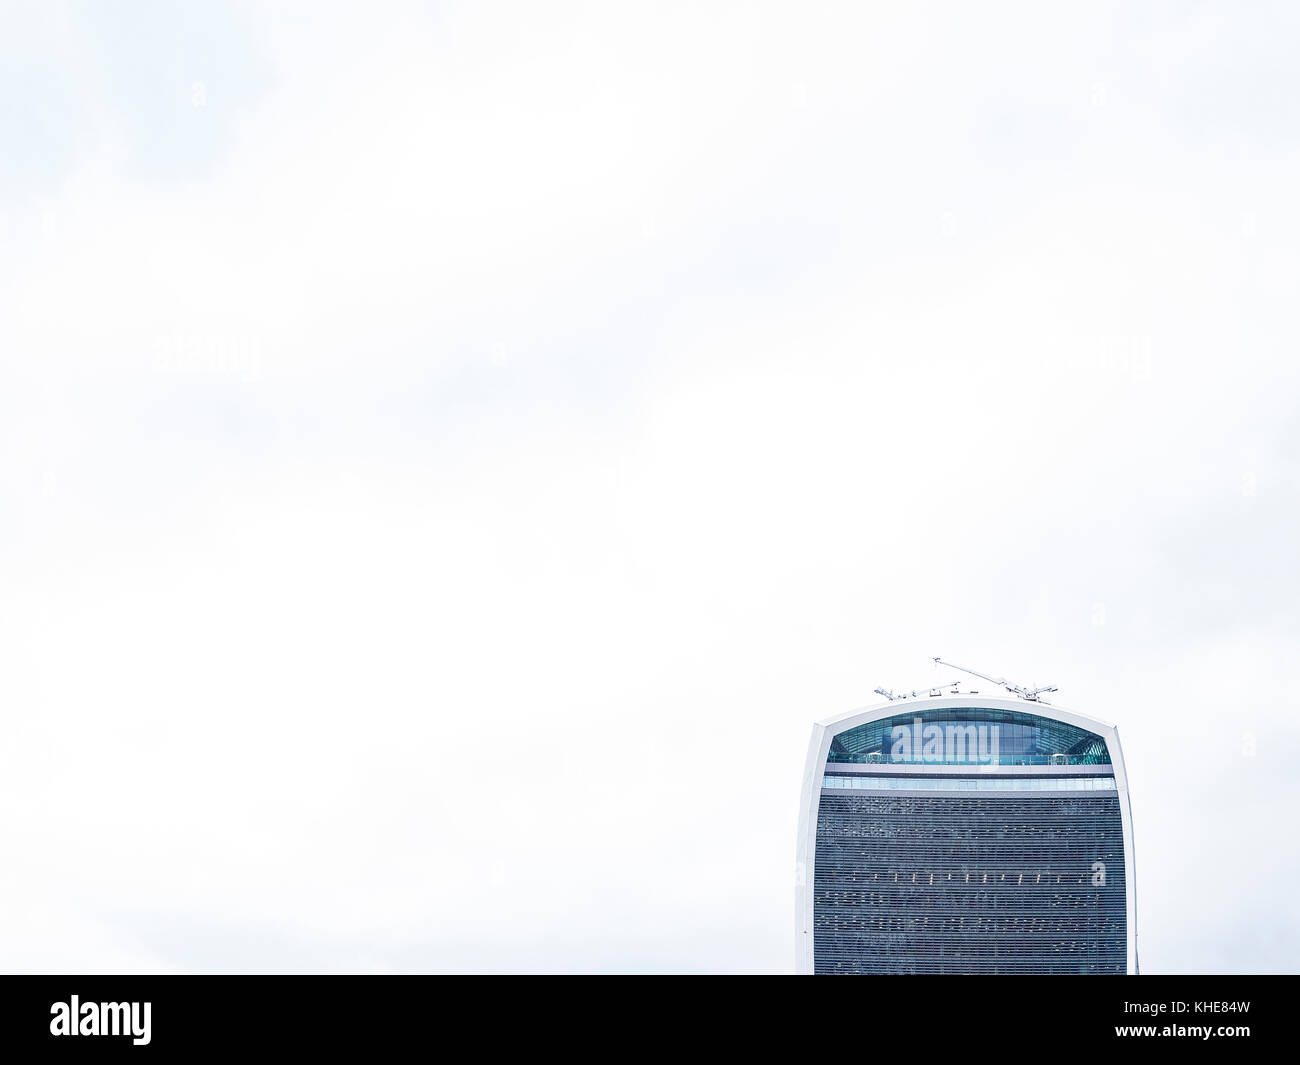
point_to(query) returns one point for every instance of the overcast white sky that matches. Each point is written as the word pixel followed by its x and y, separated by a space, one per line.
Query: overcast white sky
pixel 451 453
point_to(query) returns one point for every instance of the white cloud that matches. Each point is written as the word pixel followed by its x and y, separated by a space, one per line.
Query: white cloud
pixel 441 491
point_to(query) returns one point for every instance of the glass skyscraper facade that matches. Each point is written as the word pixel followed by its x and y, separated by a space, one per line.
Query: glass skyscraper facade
pixel 965 834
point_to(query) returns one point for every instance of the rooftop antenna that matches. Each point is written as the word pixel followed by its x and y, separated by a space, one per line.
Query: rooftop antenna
pixel 933 690
pixel 1032 695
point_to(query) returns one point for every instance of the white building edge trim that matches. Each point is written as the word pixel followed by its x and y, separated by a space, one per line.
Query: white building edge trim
pixel 810 797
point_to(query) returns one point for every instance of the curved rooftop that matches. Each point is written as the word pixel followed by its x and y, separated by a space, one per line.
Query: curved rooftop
pixel 969 735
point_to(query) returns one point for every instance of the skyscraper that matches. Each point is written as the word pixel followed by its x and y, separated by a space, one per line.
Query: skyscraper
pixel 965 833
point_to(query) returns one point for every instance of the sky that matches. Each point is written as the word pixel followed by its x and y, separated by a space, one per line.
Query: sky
pixel 450 454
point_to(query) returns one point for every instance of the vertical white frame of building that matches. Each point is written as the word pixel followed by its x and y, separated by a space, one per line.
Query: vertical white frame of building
pixel 810 798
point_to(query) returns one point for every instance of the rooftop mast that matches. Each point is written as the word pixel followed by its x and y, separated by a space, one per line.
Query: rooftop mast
pixel 1032 695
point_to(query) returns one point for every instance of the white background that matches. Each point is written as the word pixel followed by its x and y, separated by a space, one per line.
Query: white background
pixel 450 454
